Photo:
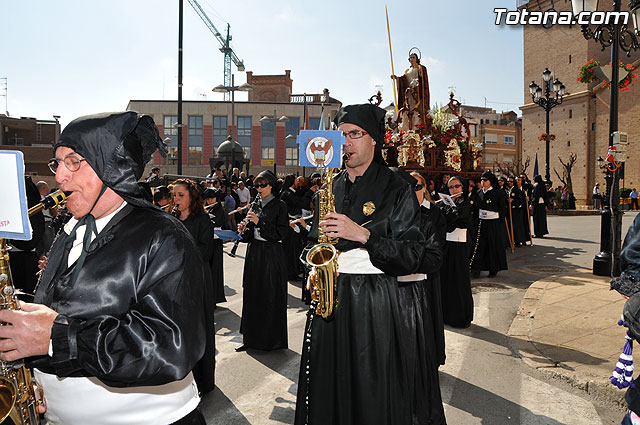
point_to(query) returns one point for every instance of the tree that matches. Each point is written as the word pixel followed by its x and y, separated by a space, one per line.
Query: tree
pixel 512 168
pixel 566 171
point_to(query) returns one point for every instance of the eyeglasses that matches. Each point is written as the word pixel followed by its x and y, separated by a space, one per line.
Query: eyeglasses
pixel 455 186
pixel 484 180
pixel 510 181
pixel 262 185
pixel 354 134
pixel 71 162
pixel 418 187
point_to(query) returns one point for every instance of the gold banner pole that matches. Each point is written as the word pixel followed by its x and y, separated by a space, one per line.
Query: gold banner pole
pixel 395 95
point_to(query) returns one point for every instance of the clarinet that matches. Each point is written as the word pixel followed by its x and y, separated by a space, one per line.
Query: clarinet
pixel 243 225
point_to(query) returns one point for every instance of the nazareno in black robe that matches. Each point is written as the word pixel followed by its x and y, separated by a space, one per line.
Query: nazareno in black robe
pixel 201 229
pixel 539 210
pixel 352 368
pixel 220 220
pixel 490 253
pixel 264 281
pixel 422 325
pixel 518 203
pixel 457 299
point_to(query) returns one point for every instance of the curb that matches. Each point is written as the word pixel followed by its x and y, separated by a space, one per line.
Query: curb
pixel 519 338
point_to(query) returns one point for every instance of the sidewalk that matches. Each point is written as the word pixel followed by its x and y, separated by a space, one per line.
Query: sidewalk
pixel 566 326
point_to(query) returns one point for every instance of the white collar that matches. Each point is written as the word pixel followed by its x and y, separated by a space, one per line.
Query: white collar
pixel 100 223
pixel 426 204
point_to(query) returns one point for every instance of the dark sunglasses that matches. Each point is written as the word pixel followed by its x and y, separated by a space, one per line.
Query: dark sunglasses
pixel 455 186
pixel 262 185
pixel 418 187
pixel 484 180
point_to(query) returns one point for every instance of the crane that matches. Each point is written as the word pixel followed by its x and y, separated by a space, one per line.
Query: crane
pixel 229 54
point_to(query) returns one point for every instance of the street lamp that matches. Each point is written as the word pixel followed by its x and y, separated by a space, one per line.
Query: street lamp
pixel 234 129
pixel 274 120
pixel 553 94
pixel 617 36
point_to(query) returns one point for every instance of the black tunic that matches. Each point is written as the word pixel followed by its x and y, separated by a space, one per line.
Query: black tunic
pixel 515 220
pixel 422 325
pixel 264 281
pixel 293 242
pixel 220 220
pixel 457 299
pixel 490 253
pixel 354 361
pixel 539 210
pixel 201 229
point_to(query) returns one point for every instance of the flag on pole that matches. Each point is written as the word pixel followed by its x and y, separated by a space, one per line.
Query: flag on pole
pixel 322 127
pixel 319 147
pixel 535 166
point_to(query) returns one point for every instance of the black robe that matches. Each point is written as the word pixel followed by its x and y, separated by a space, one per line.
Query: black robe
pixel 490 251
pixel 264 281
pixel 135 315
pixel 457 299
pixel 220 220
pixel 515 220
pixel 201 229
pixel 352 368
pixel 539 210
pixel 422 325
pixel 293 243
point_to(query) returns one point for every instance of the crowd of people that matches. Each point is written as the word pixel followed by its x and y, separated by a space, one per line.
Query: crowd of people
pixel 131 275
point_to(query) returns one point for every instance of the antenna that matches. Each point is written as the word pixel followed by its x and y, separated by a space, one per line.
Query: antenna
pixel 4 84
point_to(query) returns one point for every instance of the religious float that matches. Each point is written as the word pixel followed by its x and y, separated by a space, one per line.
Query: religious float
pixel 432 142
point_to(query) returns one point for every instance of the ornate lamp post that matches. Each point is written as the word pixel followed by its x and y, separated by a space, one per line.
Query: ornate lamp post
pixel 274 120
pixel 553 94
pixel 234 128
pixel 616 35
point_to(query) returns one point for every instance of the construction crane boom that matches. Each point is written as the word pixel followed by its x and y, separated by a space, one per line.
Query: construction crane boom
pixel 225 47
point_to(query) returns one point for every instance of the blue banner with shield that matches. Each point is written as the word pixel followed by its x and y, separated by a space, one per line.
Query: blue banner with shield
pixel 320 148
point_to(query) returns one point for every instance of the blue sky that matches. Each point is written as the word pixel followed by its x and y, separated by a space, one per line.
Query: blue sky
pixel 76 57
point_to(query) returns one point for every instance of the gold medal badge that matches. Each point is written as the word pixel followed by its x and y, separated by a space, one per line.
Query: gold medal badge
pixel 368 208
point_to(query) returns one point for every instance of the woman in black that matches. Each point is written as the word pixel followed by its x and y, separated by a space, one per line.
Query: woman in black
pixel 539 207
pixel 264 281
pixel 422 330
pixel 187 206
pixel 489 250
pixel 457 300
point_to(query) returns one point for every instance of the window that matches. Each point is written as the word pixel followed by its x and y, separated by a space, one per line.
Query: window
pixel 244 135
pixel 170 131
pixel 293 127
pixel 290 149
pixel 291 156
pixel 268 140
pixel 314 123
pixel 220 130
pixel 569 58
pixel 195 140
pixel 509 140
pixel 570 113
pixel 489 157
pixel 568 142
pixel 495 122
pixel 490 138
pixel 507 159
pixel 593 126
pixel 269 153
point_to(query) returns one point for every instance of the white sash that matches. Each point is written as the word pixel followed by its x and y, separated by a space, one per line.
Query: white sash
pixel 488 215
pixel 356 261
pixel 416 277
pixel 458 235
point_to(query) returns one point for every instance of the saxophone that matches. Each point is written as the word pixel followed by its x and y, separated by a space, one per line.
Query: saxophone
pixel 20 397
pixel 323 256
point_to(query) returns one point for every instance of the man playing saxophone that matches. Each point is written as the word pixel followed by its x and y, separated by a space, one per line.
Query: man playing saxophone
pixel 351 370
pixel 118 320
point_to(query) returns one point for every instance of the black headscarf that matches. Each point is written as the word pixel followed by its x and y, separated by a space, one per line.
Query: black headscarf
pixel 463 182
pixel 368 117
pixel 271 179
pixel 117 145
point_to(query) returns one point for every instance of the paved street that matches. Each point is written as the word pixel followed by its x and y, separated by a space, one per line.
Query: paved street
pixel 484 381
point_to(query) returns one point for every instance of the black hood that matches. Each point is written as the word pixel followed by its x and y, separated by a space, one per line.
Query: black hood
pixel 117 145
